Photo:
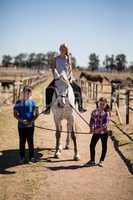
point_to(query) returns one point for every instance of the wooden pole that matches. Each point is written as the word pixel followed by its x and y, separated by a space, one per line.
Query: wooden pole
pixel 20 88
pixel 118 113
pixel 96 92
pixel 113 95
pixel 88 92
pixel 93 91
pixel 14 93
pixel 111 101
pixel 90 89
pixel 117 97
pixel 127 106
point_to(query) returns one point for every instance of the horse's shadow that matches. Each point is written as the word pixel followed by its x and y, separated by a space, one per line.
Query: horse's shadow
pixel 10 158
pixel 71 167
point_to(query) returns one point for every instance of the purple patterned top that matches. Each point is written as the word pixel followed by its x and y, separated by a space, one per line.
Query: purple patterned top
pixel 99 120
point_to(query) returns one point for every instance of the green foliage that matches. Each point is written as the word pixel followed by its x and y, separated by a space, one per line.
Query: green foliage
pixel 109 63
pixel 73 62
pixel 6 60
pixel 120 62
pixel 21 60
pixel 32 60
pixel 115 63
pixel 45 61
pixel 93 62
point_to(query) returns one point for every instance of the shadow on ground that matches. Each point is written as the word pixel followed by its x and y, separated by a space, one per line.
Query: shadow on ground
pixel 127 162
pixel 72 167
pixel 10 158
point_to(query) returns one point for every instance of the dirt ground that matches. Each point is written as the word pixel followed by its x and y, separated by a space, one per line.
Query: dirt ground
pixel 62 179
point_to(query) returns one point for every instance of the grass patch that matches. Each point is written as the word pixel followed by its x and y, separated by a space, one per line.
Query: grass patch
pixel 39 93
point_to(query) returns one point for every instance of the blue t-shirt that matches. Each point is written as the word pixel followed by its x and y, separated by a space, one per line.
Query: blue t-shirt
pixel 25 109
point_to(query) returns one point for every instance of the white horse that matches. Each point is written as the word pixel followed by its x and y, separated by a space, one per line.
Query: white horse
pixel 62 103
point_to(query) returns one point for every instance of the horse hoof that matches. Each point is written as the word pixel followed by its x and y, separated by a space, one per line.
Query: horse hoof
pixel 77 157
pixel 57 155
pixel 67 147
pixel 60 149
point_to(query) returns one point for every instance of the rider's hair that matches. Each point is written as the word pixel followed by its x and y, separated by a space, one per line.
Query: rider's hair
pixel 63 46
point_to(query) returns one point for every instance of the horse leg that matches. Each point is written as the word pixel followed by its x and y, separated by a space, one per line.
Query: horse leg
pixel 68 137
pixel 58 135
pixel 73 136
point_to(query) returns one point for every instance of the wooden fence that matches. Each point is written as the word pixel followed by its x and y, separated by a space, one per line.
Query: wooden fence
pixel 114 94
pixel 17 86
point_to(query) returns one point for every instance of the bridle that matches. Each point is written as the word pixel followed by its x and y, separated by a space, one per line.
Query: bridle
pixel 60 95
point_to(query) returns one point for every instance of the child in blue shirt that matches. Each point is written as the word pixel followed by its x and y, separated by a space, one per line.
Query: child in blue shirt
pixel 26 112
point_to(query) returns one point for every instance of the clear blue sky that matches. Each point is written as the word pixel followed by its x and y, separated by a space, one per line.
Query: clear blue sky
pixel 101 26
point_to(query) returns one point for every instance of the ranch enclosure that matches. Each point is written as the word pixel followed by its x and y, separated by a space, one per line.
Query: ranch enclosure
pixel 53 179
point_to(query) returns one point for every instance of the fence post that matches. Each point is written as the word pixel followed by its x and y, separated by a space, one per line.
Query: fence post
pixel 111 101
pixel 127 106
pixel 20 88
pixel 113 94
pixel 14 93
pixel 117 96
pixel 96 92
pixel 90 89
pixel 93 91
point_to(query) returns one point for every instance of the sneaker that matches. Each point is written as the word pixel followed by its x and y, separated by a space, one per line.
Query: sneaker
pixel 82 110
pixel 22 161
pixel 90 163
pixel 32 160
pixel 100 163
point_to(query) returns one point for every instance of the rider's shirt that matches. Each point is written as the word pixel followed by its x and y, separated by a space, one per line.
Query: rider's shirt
pixel 62 64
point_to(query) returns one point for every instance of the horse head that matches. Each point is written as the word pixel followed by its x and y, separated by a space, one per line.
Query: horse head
pixel 61 89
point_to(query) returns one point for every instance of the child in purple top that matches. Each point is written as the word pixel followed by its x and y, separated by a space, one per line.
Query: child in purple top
pixel 98 127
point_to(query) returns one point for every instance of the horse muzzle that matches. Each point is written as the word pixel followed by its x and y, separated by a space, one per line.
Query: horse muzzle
pixel 61 102
pixel 60 105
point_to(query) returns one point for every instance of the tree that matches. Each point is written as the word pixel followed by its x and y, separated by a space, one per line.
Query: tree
pixel 6 60
pixel 50 56
pixel 21 60
pixel 110 63
pixel 73 60
pixel 31 60
pixel 40 60
pixel 120 62
pixel 93 62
